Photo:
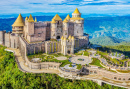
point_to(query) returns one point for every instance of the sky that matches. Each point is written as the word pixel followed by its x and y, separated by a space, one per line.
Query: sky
pixel 110 7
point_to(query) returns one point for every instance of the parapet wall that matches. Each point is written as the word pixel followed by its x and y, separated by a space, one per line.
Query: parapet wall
pixel 107 74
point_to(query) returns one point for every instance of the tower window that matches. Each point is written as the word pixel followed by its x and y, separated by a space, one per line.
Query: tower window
pixel 39 35
pixel 58 22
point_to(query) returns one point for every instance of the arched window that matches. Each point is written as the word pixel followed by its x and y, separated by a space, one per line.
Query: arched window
pixel 119 78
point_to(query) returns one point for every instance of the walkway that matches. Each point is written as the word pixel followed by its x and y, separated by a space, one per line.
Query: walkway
pixel 24 68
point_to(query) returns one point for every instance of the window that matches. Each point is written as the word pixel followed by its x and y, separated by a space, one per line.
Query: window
pixel 39 35
pixel 119 78
pixel 58 22
pixel 95 72
pixel 115 78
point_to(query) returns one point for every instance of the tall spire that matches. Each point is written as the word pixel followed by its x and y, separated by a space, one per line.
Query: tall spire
pixel 35 19
pixel 19 21
pixel 76 11
pixel 30 19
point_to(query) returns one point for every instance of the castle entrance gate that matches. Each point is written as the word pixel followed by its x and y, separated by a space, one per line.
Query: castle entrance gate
pixel 58 37
pixel 68 51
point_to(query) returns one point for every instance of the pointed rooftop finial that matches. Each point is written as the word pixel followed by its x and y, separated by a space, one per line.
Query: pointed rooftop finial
pixel 19 21
pixel 69 37
pixel 35 19
pixel 30 19
pixel 26 18
pixel 62 38
pixel 72 38
pixel 76 11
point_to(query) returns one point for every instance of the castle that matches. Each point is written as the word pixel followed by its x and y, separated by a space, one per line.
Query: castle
pixel 54 36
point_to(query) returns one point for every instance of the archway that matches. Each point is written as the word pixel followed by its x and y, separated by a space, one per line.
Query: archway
pixel 58 37
pixel 68 51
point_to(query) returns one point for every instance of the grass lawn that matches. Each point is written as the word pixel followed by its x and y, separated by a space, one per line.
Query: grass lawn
pixel 79 66
pixel 86 53
pixel 115 61
pixel 50 58
pixel 96 62
pixel 102 53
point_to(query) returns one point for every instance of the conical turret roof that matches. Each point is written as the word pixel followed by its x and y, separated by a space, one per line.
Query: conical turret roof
pixel 68 17
pixel 72 38
pixel 69 37
pixel 76 11
pixel 62 38
pixel 65 20
pixel 35 19
pixel 30 19
pixel 26 18
pixel 53 21
pixel 57 17
pixel 19 21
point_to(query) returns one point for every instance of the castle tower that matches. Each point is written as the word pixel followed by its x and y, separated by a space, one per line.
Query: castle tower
pixel 68 17
pixel 57 25
pixel 26 20
pixel 53 29
pixel 72 46
pixel 67 45
pixel 65 28
pixel 2 37
pixel 18 25
pixel 78 23
pixel 76 13
pixel 29 27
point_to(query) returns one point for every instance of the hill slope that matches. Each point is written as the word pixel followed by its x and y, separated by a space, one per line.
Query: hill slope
pixel 107 40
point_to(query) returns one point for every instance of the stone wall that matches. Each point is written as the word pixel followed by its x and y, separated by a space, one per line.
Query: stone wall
pixel 52 46
pixel 107 74
pixel 2 37
pixel 71 29
pixel 7 40
pixel 36 48
pixel 14 40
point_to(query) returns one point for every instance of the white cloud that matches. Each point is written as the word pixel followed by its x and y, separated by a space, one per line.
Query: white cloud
pixel 24 6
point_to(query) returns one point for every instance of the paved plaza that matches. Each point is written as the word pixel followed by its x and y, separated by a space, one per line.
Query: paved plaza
pixel 61 58
pixel 85 60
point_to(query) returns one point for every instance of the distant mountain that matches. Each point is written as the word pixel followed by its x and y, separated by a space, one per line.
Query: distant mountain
pixel 107 40
pixel 118 27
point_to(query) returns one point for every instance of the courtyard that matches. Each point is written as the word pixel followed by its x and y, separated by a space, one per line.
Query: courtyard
pixel 80 60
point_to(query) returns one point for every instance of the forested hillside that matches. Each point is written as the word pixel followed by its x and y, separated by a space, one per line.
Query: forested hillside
pixel 12 78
